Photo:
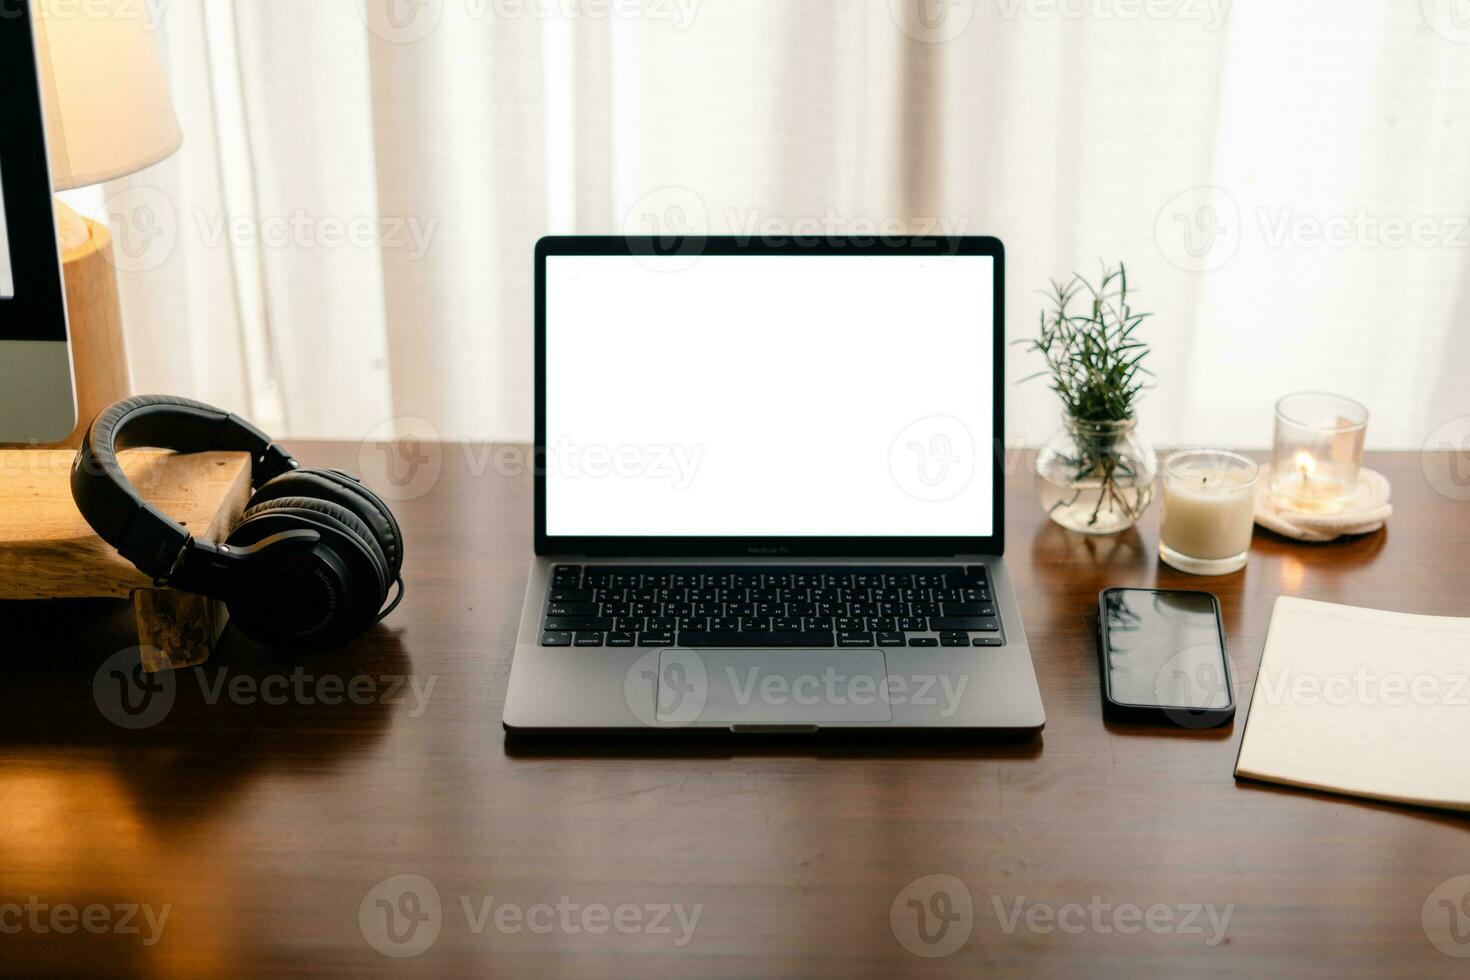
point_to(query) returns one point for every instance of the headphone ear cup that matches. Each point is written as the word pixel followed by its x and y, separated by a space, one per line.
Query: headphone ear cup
pixel 311 597
pixel 354 528
pixel 341 489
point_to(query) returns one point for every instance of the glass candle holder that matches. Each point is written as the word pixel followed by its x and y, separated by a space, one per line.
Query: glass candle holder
pixel 1209 511
pixel 1318 451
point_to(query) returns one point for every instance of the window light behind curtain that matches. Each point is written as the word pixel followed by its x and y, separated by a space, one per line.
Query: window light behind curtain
pixel 1289 184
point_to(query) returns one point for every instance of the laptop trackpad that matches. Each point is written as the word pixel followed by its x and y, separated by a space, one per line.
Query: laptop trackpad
pixel 772 687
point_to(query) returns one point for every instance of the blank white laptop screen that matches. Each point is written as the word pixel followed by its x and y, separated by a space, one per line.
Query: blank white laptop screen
pixel 770 396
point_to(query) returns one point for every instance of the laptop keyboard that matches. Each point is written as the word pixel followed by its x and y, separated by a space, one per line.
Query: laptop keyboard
pixel 775 606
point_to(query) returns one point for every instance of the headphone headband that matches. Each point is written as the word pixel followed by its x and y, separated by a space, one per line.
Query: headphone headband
pixel 141 533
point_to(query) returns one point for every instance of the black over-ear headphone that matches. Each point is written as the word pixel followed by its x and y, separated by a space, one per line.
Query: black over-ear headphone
pixel 312 560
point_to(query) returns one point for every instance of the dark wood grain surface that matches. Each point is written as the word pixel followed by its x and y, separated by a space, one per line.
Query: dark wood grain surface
pixel 261 801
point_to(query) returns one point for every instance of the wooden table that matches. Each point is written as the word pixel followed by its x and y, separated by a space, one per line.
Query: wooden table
pixel 263 801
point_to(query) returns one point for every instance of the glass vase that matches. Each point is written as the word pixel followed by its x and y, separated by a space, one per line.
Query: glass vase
pixel 1096 477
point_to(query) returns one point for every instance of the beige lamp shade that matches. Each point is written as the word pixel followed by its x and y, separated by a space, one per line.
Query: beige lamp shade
pixel 108 111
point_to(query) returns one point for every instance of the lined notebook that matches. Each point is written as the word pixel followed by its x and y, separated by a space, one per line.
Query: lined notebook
pixel 1362 702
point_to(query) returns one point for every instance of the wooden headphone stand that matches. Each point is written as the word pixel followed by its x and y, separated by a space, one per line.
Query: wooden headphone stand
pixel 48 552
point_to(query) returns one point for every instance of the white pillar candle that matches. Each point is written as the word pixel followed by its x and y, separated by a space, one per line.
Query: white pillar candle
pixel 1209 511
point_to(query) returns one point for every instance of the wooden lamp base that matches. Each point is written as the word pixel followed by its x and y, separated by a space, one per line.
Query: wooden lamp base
pixel 99 351
pixel 47 551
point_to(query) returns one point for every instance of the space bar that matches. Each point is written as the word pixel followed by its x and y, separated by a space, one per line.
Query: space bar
pixel 768 638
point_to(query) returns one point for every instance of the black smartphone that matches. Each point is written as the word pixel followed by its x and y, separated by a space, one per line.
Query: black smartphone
pixel 1162 658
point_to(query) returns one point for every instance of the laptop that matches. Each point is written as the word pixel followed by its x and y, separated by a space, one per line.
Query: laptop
pixel 769 492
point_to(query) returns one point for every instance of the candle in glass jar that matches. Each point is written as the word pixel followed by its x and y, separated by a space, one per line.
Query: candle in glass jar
pixel 1311 485
pixel 1317 452
pixel 1209 511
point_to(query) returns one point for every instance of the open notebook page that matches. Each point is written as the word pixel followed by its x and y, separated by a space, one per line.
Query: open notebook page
pixel 1362 702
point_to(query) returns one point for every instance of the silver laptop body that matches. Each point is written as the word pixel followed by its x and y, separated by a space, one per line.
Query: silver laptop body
pixel 770 490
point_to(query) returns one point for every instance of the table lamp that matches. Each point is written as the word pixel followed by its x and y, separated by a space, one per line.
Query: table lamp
pixel 108 114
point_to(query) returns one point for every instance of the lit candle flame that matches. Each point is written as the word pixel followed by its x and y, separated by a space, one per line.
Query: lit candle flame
pixel 1306 465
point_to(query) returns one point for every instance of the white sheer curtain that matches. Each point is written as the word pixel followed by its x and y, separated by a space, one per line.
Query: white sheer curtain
pixel 363 180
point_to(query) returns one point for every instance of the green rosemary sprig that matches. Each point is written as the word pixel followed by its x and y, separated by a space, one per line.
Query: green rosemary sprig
pixel 1095 362
pixel 1094 359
